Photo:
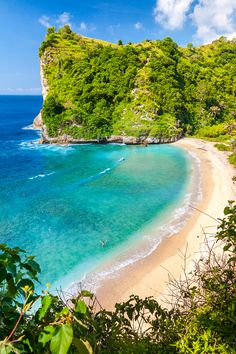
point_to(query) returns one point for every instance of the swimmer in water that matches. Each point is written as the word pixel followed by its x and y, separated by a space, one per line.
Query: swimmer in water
pixel 103 243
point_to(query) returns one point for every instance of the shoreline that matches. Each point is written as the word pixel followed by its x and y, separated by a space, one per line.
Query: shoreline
pixel 149 276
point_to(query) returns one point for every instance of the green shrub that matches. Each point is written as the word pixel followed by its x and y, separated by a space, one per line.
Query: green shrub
pixel 214 131
pixel 223 147
pixel 232 159
pixel 165 127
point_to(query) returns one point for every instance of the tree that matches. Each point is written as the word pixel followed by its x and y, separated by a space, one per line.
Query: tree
pixel 190 45
pixel 52 106
pixel 214 110
pixel 66 29
pixel 51 30
pixel 188 84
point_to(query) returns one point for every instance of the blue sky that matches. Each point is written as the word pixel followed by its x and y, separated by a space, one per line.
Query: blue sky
pixel 23 24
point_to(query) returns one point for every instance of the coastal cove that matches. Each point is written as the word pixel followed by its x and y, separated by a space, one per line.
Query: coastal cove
pixel 151 275
pixel 60 202
pixel 118 177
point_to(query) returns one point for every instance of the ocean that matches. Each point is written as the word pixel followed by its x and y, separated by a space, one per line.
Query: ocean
pixel 76 206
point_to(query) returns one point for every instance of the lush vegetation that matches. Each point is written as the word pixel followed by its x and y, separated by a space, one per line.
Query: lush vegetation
pixel 201 316
pixel 150 89
pixel 230 146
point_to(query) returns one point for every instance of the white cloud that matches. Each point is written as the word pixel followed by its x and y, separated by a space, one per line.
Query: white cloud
pixel 138 25
pixel 44 20
pixel 64 19
pixel 214 18
pixel 230 35
pixel 22 90
pixel 83 27
pixel 171 14
pixel 86 27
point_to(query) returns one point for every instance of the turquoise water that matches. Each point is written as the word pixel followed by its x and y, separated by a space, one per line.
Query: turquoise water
pixel 58 202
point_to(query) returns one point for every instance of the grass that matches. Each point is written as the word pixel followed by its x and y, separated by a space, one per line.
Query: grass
pixel 232 159
pixel 223 147
pixel 218 139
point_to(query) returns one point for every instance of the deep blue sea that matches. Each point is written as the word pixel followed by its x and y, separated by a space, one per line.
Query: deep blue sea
pixel 59 203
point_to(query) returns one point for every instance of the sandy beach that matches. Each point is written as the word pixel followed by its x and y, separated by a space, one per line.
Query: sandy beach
pixel 149 276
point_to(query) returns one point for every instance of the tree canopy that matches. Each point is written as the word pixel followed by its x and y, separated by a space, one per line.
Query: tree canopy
pixel 108 89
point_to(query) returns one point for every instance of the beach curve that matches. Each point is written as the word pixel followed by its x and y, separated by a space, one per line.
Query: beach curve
pixel 149 276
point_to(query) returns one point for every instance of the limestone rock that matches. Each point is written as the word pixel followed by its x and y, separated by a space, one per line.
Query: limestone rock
pixel 38 122
pixel 45 87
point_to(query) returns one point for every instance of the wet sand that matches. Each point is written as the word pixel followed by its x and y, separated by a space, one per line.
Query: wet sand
pixel 149 276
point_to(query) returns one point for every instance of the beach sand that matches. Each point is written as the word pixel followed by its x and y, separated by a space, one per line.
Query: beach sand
pixel 149 276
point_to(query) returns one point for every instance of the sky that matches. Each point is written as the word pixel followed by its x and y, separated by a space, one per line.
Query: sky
pixel 23 24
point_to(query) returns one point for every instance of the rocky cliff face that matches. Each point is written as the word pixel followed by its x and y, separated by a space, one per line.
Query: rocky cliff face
pixel 87 103
pixel 127 140
pixel 45 87
pixel 38 121
pixel 67 139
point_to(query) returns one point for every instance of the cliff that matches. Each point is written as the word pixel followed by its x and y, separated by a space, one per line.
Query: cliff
pixel 38 121
pixel 151 92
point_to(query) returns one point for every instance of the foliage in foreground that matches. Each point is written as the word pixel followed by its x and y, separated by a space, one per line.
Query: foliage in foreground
pixel 201 318
pixel 150 89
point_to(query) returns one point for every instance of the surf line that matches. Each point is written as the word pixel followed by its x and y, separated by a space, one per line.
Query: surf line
pixel 42 175
pixel 101 173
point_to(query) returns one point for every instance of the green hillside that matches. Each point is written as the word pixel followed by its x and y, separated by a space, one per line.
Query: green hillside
pixel 153 89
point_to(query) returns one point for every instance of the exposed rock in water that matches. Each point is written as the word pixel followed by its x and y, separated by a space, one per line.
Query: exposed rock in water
pixel 38 122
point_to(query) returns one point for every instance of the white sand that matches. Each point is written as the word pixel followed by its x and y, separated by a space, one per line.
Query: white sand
pixel 149 276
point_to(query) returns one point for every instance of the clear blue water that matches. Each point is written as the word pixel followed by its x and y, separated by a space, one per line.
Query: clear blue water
pixel 58 203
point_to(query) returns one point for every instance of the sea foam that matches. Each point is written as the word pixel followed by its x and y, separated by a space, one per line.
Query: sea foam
pixel 29 127
pixel 42 175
